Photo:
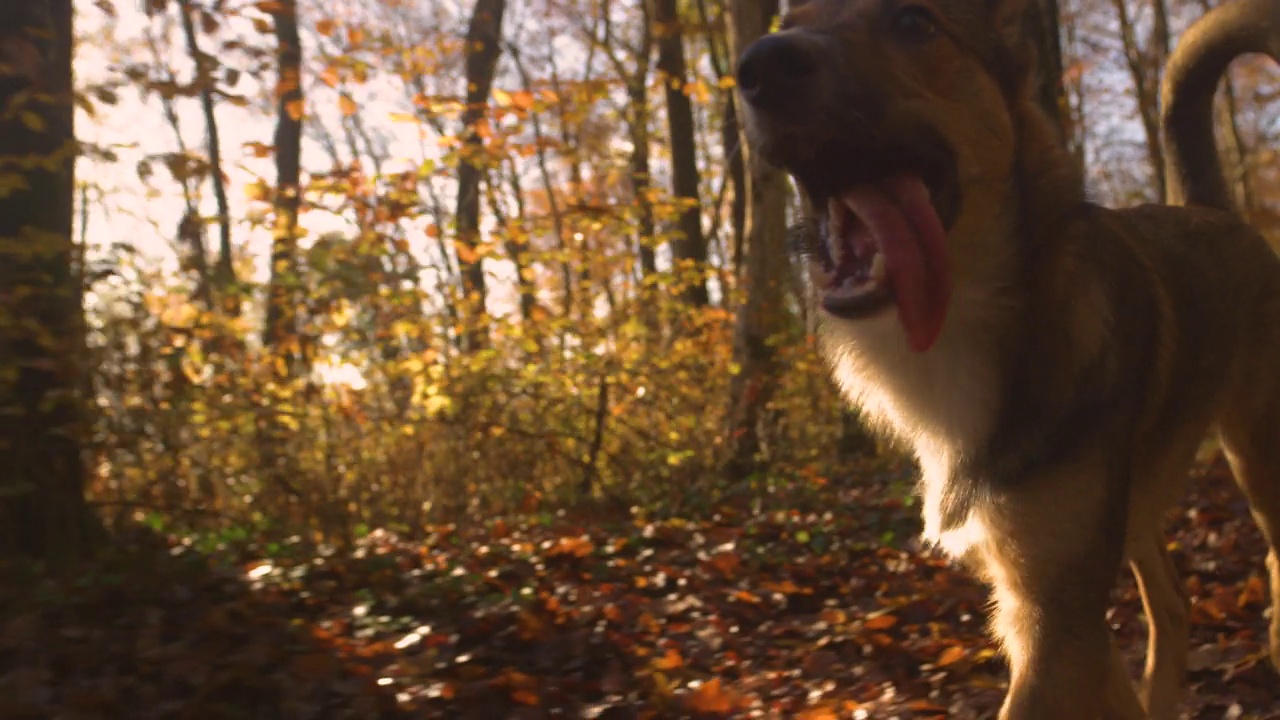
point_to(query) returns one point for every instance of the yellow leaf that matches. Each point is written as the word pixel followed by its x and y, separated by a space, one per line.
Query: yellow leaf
pixel 501 98
pixel 34 122
pixel 257 190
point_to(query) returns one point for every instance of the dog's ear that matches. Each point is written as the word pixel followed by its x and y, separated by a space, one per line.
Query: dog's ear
pixel 1015 25
pixel 1009 19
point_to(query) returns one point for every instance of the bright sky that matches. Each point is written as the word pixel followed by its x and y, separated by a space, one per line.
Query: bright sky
pixel 146 215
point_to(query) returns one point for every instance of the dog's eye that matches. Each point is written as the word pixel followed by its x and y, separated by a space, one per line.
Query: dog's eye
pixel 914 23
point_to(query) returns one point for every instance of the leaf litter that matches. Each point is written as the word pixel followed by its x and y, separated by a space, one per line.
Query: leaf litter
pixel 781 613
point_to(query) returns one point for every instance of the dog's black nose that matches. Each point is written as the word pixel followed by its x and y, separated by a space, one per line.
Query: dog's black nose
pixel 774 69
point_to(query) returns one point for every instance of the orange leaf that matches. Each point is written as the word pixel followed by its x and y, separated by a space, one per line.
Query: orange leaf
pixel 525 697
pixel 725 562
pixel 295 108
pixel 711 697
pixel 951 655
pixel 325 26
pixel 329 76
pixel 347 105
pixel 670 661
pixel 833 616
pixel 786 587
pixel 575 546
pixel 522 100
pixel 881 622
pixel 467 255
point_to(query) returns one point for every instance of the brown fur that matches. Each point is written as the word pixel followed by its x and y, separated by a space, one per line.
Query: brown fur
pixel 1087 351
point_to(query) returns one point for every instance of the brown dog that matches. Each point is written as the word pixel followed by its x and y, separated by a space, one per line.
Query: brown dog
pixel 1053 364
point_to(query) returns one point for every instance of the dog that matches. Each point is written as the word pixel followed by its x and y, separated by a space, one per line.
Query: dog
pixel 1053 364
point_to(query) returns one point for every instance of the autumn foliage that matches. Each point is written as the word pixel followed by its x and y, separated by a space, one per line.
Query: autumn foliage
pixel 445 360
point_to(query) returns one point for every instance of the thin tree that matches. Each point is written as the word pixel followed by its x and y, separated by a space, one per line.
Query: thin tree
pixel 1145 62
pixel 690 247
pixel 280 335
pixel 1044 24
pixel 482 50
pixel 763 314
pixel 224 270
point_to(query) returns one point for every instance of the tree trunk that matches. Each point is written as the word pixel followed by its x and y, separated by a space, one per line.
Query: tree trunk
pixel 638 127
pixel 730 137
pixel 43 513
pixel 1042 24
pixel 762 314
pixel 690 248
pixel 224 272
pixel 1235 160
pixel 1144 69
pixel 731 134
pixel 280 336
pixel 516 244
pixel 482 50
pixel 1235 155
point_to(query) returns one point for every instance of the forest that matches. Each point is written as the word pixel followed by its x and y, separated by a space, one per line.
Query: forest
pixel 446 358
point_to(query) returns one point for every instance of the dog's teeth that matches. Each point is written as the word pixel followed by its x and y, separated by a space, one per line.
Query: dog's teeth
pixel 835 229
pixel 877 267
pixel 850 288
pixel 847 289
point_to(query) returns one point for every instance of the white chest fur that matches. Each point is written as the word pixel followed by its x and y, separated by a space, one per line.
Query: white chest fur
pixel 939 402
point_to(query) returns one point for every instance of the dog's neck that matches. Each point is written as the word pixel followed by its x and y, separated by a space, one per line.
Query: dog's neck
pixel 945 403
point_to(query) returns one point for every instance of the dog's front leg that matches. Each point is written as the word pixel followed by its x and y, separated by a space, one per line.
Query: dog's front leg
pixel 1052 550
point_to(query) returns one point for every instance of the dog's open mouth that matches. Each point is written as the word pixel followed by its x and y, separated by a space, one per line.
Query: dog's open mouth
pixel 883 243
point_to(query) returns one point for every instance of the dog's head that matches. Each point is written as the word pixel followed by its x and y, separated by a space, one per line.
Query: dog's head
pixel 895 117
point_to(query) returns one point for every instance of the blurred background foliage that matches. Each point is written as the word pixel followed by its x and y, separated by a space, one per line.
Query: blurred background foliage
pixel 375 263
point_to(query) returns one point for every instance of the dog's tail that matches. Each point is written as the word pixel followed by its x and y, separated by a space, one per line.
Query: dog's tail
pixel 1235 28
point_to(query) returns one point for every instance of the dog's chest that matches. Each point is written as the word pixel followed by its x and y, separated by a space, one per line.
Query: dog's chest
pixel 943 400
pixel 942 404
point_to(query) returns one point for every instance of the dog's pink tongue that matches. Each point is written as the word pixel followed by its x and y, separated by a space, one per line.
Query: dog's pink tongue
pixel 899 215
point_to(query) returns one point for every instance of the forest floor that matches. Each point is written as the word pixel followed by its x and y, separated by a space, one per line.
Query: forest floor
pixel 782 613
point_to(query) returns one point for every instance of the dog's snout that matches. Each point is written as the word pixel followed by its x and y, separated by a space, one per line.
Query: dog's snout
pixel 777 70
